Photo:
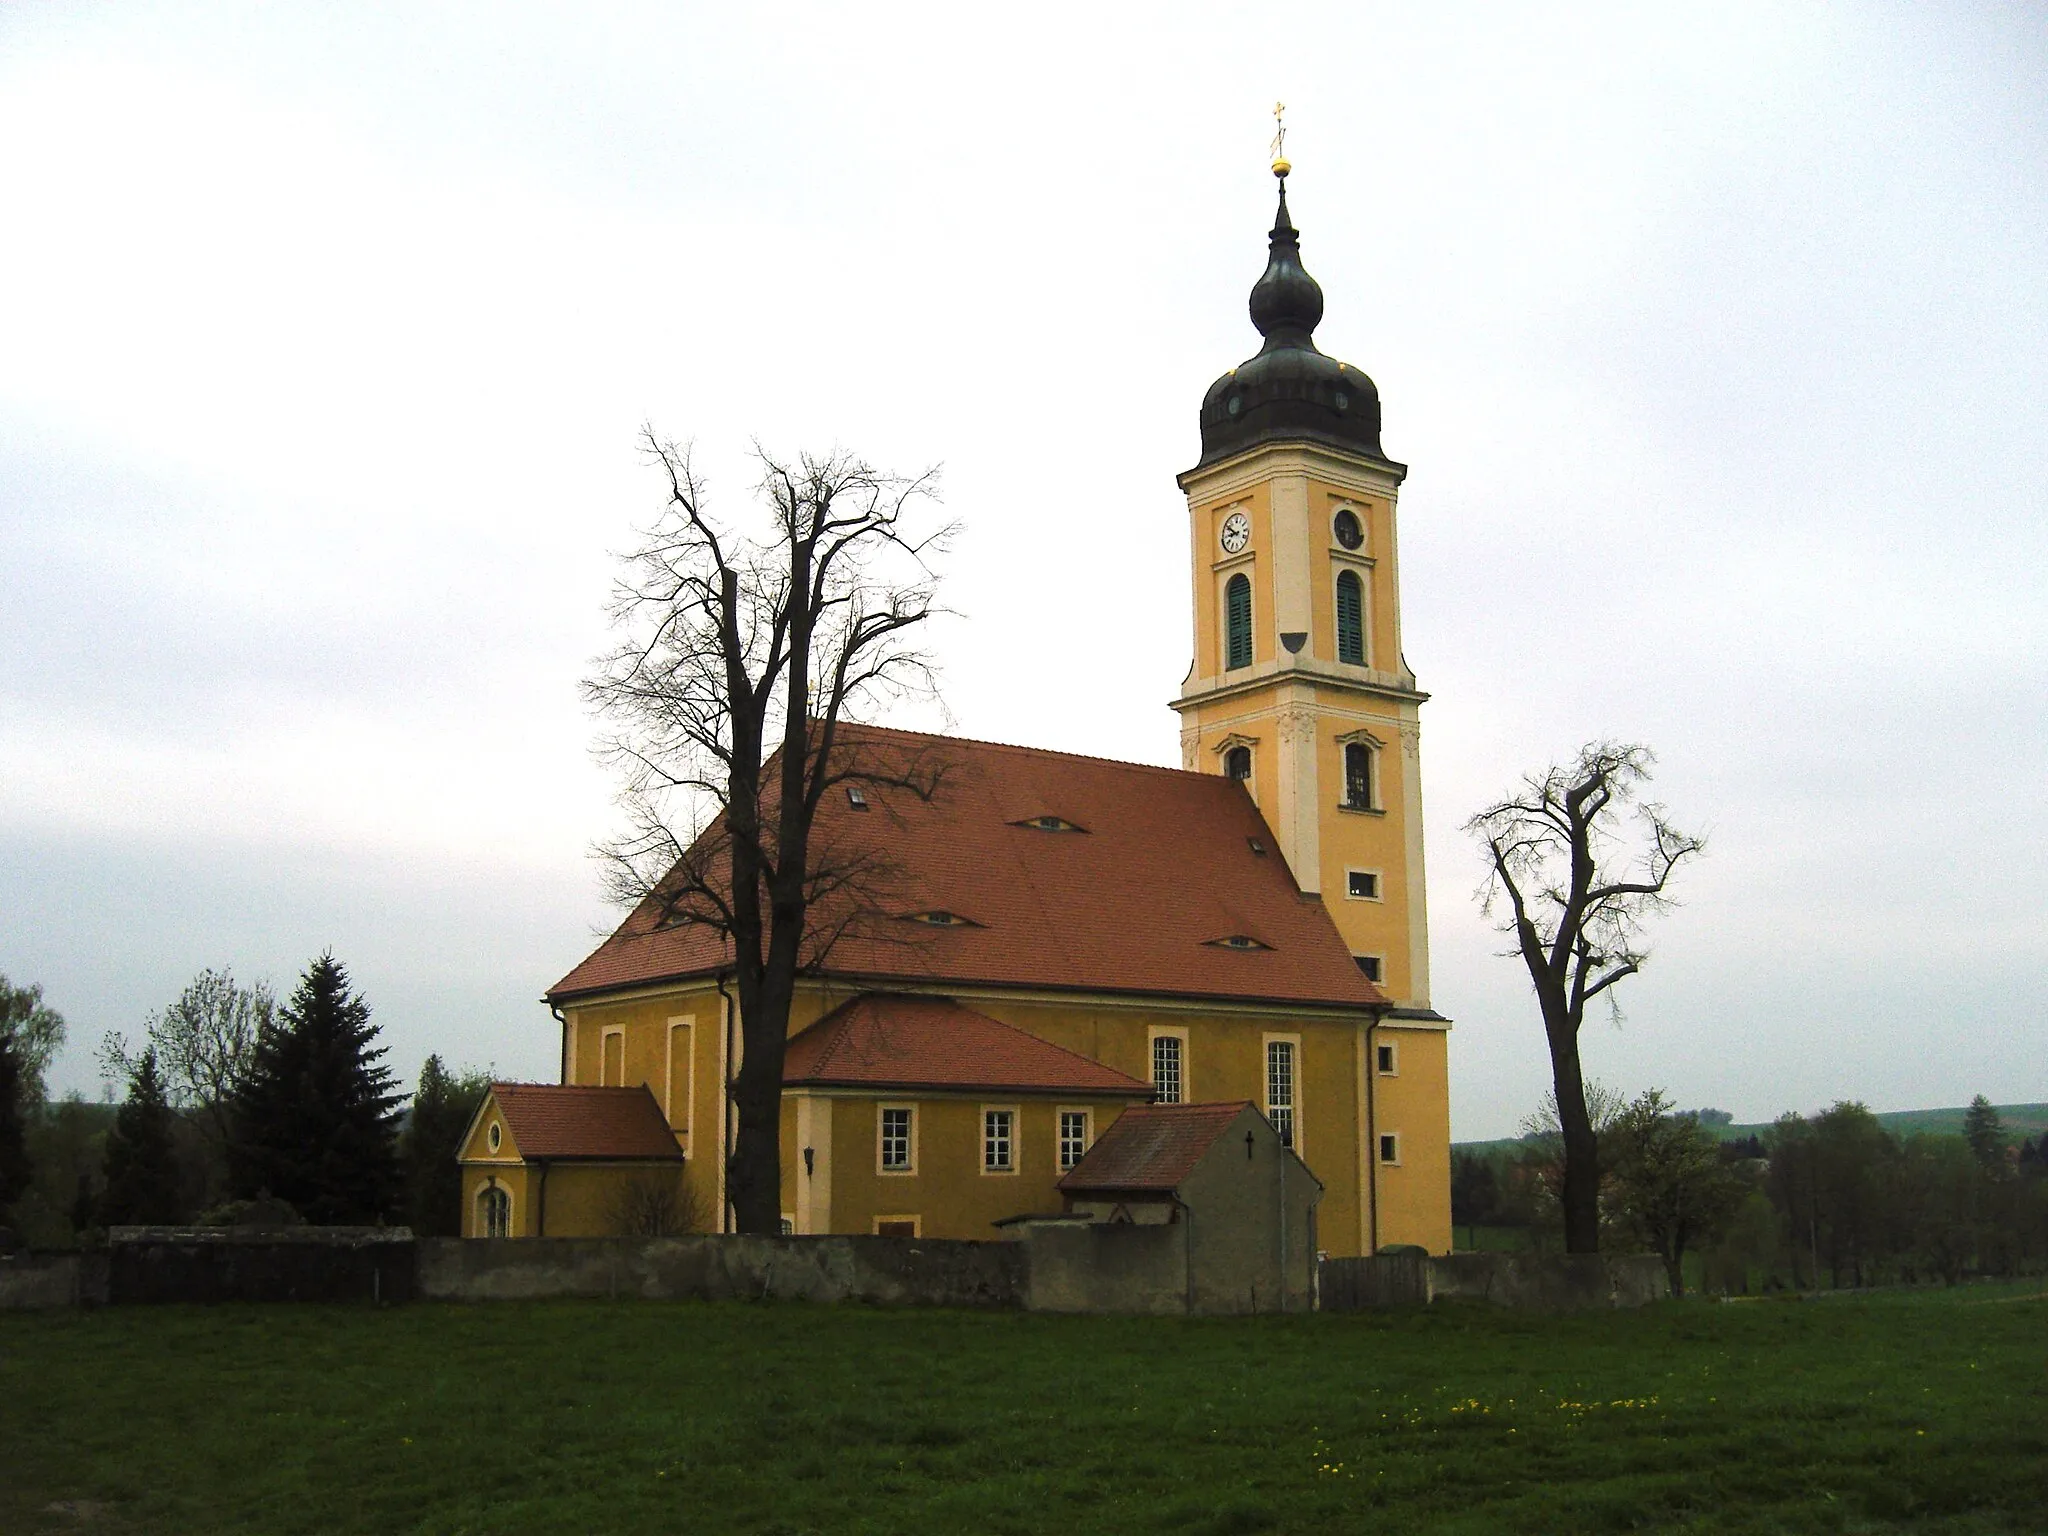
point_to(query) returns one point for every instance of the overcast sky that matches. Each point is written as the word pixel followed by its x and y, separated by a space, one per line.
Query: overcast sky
pixel 1716 339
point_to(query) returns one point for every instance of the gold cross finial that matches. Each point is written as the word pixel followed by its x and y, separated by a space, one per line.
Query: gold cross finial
pixel 1280 165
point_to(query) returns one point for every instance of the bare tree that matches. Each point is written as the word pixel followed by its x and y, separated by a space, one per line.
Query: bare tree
pixel 204 1042
pixel 658 1205
pixel 741 657
pixel 1580 863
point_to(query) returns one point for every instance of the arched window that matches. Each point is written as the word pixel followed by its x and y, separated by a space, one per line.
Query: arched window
pixel 494 1212
pixel 1360 792
pixel 1350 619
pixel 1237 622
pixel 1237 763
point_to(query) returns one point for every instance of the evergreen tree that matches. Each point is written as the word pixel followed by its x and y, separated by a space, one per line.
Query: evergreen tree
pixel 1985 1132
pixel 314 1124
pixel 15 1168
pixel 442 1107
pixel 141 1171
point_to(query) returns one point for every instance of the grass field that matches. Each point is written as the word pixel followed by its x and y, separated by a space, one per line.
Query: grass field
pixel 1896 1412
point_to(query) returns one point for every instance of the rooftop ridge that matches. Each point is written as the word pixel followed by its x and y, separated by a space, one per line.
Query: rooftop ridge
pixel 1028 751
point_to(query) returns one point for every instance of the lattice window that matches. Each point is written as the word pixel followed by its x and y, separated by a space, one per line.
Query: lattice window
pixel 998 1141
pixel 896 1141
pixel 1280 1088
pixel 1166 1069
pixel 496 1207
pixel 1073 1137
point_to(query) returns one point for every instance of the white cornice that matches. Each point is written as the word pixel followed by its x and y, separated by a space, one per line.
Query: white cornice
pixel 1236 475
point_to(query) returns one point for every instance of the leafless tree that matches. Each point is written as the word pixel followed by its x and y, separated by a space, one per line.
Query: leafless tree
pixel 204 1044
pixel 1579 862
pixel 740 659
pixel 658 1205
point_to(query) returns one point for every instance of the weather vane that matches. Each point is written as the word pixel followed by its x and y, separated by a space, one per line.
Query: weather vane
pixel 1280 165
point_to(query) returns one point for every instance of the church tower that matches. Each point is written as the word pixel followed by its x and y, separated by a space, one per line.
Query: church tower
pixel 1298 686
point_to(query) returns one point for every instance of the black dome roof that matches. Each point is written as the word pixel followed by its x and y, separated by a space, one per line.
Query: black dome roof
pixel 1289 391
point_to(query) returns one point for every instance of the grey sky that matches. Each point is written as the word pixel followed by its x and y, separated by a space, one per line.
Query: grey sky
pixel 1715 337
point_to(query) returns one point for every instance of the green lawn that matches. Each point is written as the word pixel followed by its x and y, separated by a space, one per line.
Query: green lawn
pixel 1899 1412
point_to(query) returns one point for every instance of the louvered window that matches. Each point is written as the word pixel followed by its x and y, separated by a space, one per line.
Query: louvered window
pixel 1237 622
pixel 1350 619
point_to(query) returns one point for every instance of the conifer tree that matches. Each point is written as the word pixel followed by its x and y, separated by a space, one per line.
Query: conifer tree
pixel 314 1124
pixel 442 1107
pixel 1984 1129
pixel 141 1167
pixel 15 1168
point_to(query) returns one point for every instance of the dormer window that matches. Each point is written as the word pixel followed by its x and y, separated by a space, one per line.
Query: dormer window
pixel 1047 824
pixel 855 798
pixel 941 919
pixel 1239 941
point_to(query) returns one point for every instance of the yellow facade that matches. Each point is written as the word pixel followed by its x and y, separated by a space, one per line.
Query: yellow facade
pixel 678 1036
pixel 558 1199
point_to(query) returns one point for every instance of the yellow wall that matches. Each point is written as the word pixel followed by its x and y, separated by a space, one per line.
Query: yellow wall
pixel 1225 1060
pixel 581 1199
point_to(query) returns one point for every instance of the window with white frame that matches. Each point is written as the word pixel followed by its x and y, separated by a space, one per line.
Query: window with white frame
pixel 1167 1068
pixel 494 1211
pixel 896 1143
pixel 1390 1147
pixel 1073 1137
pixel 1374 967
pixel 1361 777
pixel 1388 1060
pixel 998 1141
pixel 1362 884
pixel 1280 1088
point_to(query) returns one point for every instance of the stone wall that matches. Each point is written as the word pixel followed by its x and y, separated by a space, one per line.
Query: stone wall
pixel 35 1280
pixel 1543 1282
pixel 216 1264
pixel 1088 1267
pixel 884 1271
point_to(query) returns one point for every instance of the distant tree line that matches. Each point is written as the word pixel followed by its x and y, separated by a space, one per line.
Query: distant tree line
pixel 235 1106
pixel 1834 1200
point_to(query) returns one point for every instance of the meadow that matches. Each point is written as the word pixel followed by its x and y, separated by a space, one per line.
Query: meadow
pixel 1915 1411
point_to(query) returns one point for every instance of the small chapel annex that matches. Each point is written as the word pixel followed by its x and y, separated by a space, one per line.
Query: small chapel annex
pixel 1076 936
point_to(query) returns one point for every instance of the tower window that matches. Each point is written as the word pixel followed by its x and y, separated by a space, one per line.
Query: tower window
pixel 1237 763
pixel 1374 968
pixel 1361 792
pixel 1362 884
pixel 1350 619
pixel 1237 622
pixel 1350 532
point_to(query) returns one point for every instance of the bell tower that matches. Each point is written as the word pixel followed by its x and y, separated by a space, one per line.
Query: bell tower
pixel 1298 686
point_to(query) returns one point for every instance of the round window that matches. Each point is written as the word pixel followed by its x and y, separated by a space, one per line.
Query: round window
pixel 495 1135
pixel 1350 532
pixel 1233 405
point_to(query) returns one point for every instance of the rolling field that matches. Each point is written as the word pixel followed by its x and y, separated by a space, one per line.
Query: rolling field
pixel 1915 1412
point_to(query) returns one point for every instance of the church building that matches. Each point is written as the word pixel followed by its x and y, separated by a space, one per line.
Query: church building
pixel 1073 937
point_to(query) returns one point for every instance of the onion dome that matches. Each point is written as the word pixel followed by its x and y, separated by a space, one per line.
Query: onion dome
pixel 1290 391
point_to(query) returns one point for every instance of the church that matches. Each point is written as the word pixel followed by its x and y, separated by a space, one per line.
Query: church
pixel 1090 936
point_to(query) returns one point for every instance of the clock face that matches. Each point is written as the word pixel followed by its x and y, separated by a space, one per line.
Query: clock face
pixel 1237 532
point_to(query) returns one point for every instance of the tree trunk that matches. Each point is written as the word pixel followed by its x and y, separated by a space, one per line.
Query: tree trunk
pixel 1580 1195
pixel 1674 1267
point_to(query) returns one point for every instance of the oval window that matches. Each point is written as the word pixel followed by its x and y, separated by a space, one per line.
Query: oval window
pixel 1233 405
pixel 495 1135
pixel 1341 400
pixel 1350 532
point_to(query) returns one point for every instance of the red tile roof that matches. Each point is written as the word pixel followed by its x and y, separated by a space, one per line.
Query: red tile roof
pixel 894 1041
pixel 1162 867
pixel 1151 1147
pixel 551 1121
